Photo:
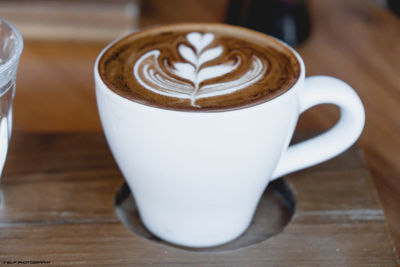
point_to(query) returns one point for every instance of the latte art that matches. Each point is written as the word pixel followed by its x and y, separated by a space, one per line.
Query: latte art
pixel 198 67
pixel 191 74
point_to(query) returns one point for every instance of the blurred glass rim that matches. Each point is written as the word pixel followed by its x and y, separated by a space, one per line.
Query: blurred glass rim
pixel 17 53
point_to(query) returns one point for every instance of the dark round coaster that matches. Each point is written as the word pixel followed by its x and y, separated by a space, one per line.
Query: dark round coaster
pixel 273 213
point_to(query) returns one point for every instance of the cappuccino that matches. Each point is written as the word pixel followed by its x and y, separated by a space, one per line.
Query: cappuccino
pixel 199 67
pixel 199 118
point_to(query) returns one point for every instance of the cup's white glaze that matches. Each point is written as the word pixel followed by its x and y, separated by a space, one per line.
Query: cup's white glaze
pixel 197 177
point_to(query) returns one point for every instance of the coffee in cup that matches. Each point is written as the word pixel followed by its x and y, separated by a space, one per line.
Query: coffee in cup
pixel 199 67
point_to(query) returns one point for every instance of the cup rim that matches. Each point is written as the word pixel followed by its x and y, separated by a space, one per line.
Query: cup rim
pixel 98 77
pixel 20 45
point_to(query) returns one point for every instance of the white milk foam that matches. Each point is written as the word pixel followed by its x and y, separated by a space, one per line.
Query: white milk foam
pixel 150 75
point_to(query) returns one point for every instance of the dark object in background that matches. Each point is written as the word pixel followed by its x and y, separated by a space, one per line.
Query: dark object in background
pixel 394 5
pixel 287 20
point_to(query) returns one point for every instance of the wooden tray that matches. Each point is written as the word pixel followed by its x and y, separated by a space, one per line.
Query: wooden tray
pixel 57 206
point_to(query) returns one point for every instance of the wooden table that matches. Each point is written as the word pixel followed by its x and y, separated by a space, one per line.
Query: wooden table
pixel 58 191
pixel 352 40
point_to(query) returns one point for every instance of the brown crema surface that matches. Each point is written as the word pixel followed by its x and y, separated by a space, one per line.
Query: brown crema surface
pixel 240 47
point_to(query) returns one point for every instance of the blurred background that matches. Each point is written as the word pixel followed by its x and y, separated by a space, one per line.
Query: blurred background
pixel 355 40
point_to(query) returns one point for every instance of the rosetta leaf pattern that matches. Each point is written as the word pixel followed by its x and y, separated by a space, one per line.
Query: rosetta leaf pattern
pixel 197 58
pixel 187 53
pixel 200 41
pixel 190 74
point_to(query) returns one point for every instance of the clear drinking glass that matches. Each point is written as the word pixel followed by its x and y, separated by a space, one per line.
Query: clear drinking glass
pixel 11 45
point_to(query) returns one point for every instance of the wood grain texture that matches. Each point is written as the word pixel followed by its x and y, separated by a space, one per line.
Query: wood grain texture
pixel 58 206
pixel 55 87
pixel 352 40
pixel 360 43
pixel 95 20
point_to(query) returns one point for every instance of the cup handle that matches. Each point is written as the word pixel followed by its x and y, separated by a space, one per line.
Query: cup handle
pixel 325 90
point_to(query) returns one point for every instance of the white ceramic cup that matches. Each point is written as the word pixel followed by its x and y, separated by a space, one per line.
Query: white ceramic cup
pixel 197 177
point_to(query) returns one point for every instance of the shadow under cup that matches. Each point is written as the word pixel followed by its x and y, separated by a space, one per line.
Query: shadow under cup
pixel 11 45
